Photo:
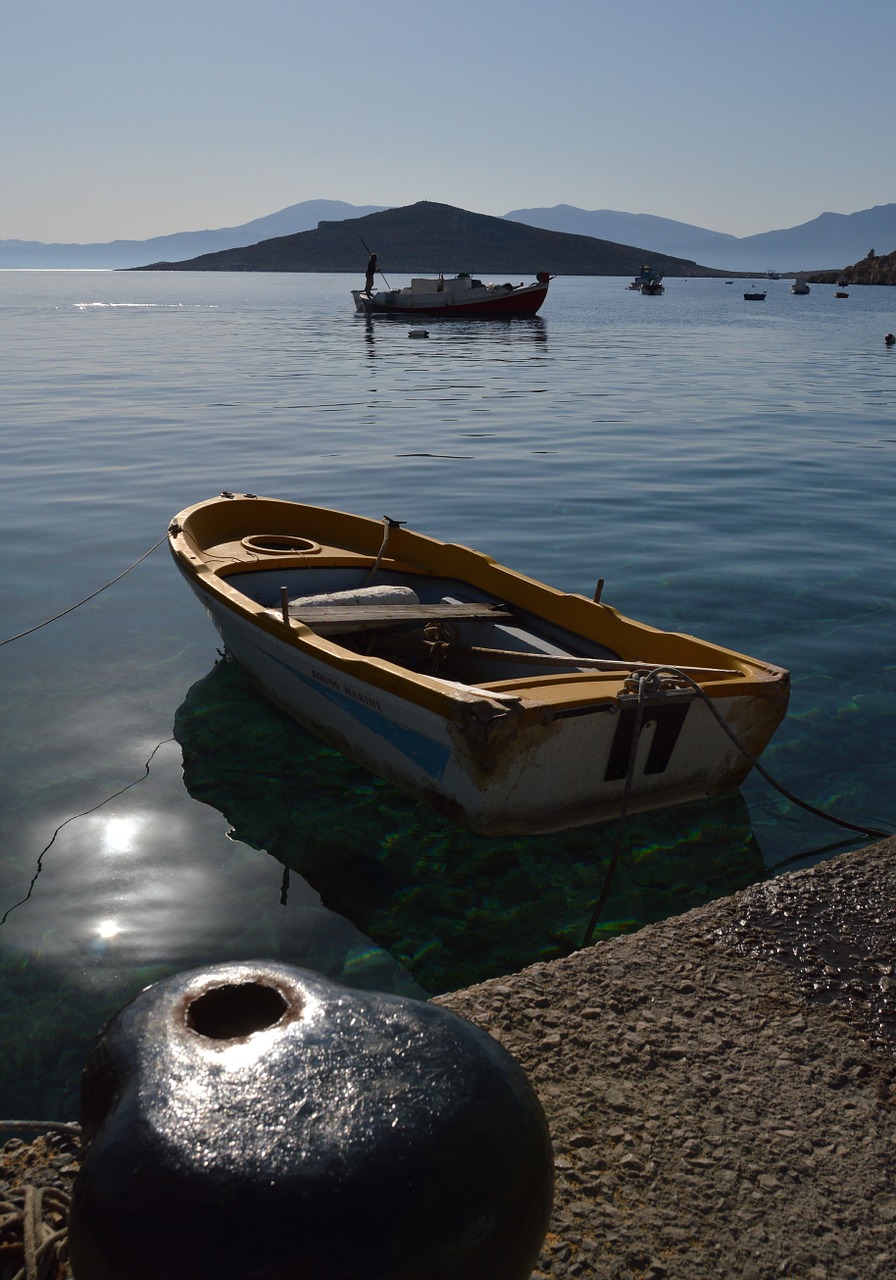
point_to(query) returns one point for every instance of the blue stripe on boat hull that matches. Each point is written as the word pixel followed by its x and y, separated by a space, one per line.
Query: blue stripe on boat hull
pixel 429 756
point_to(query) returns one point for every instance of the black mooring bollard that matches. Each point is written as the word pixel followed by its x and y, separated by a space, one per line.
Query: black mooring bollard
pixel 254 1119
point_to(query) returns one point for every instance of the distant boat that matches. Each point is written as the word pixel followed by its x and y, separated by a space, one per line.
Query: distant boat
pixel 462 297
pixel 650 282
pixel 841 294
pixel 800 286
pixel 754 297
pixel 772 275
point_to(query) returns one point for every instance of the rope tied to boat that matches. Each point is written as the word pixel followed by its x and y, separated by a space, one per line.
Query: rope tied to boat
pixel 764 773
pixel 639 683
pixel 388 525
pixel 71 608
pixel 440 640
pixel 643 684
pixel 39 866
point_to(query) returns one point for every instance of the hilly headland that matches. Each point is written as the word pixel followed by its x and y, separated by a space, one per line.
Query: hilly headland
pixel 871 270
pixel 428 237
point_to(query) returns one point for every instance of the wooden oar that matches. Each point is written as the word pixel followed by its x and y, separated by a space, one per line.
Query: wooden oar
pixel 597 664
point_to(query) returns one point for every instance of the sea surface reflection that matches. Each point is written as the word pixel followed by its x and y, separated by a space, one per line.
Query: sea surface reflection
pixel 723 467
pixel 452 908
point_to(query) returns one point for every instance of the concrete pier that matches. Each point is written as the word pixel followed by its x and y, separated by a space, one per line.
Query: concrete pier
pixel 721 1087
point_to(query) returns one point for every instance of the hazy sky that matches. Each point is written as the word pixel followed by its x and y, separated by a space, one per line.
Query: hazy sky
pixel 125 119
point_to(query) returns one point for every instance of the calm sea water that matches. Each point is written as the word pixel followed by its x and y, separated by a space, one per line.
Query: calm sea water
pixel 725 466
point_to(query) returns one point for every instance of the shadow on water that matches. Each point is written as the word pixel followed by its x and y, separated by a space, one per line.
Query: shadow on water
pixel 451 907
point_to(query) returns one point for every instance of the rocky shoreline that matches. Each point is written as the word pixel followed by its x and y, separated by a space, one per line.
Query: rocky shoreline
pixel 720 1087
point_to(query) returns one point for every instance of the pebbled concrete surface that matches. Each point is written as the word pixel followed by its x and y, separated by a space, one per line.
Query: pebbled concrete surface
pixel 721 1087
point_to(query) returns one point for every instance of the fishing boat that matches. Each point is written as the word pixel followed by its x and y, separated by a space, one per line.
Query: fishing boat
pixel 504 703
pixel 800 286
pixel 461 296
pixel 650 282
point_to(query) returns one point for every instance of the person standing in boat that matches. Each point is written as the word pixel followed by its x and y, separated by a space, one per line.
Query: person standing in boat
pixel 371 272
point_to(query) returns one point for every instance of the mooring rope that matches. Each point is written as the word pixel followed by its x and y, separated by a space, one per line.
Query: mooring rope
pixel 70 1128
pixel 34 1215
pixel 56 616
pixel 763 772
pixel 40 859
pixel 27 1236
pixel 388 525
pixel 623 815
pixel 642 682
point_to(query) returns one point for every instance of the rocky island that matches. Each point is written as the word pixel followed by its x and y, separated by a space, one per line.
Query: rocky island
pixel 426 236
pixel 871 270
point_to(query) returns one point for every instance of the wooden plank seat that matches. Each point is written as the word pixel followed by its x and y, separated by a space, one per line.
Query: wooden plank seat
pixel 342 619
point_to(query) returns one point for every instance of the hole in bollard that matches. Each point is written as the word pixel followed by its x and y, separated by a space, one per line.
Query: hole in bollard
pixel 229 1013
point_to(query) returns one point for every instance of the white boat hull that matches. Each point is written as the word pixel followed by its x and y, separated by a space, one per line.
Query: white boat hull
pixel 538 777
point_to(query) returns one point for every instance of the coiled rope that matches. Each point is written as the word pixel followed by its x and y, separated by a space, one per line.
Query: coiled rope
pixel 34 1218
pixel 645 681
pixel 30 1231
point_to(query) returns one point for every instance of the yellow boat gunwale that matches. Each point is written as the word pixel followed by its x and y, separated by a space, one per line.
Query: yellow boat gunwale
pixel 206 540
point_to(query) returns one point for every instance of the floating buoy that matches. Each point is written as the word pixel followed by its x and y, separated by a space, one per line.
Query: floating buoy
pixel 418 333
pixel 889 339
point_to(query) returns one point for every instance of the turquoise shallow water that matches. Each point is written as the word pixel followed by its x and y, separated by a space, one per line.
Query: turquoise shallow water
pixel 725 466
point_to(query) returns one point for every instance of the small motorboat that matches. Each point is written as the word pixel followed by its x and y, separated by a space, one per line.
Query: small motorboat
pixel 650 282
pixel 503 703
pixel 462 296
pixel 800 286
pixel 757 296
pixel 841 293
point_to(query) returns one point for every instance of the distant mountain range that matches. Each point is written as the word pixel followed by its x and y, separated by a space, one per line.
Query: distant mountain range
pixel 176 248
pixel 828 242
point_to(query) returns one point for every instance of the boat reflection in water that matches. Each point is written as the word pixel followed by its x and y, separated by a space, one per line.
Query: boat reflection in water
pixel 451 907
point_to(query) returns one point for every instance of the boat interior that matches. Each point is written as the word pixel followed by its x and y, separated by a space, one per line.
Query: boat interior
pixel 429 624
pixel 462 619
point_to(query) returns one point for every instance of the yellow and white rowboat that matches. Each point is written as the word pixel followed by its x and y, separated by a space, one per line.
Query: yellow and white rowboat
pixel 503 703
